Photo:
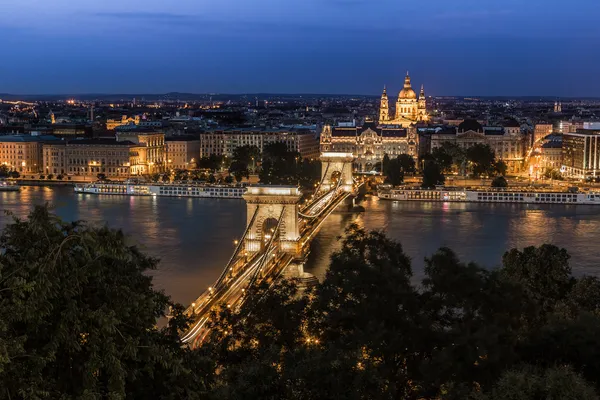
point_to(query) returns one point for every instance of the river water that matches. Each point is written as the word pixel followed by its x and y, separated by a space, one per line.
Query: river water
pixel 194 237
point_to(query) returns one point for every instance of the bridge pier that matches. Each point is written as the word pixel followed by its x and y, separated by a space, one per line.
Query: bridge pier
pixel 336 166
pixel 269 207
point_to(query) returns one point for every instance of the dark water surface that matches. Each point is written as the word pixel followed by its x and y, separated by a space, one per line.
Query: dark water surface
pixel 194 237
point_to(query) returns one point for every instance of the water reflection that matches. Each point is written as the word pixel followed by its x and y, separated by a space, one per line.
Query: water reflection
pixel 193 237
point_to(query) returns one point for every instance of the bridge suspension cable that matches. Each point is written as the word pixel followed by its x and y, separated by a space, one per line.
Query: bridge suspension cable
pixel 237 250
pixel 268 248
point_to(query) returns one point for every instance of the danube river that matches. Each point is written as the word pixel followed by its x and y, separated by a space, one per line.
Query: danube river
pixel 194 237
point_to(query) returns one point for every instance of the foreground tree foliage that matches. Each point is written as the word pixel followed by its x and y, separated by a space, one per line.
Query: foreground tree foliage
pixel 78 314
pixel 78 318
pixel 523 331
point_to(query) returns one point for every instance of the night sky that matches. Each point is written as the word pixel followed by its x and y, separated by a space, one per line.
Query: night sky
pixel 459 47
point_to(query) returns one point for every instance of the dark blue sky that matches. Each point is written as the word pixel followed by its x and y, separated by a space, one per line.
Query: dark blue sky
pixel 458 47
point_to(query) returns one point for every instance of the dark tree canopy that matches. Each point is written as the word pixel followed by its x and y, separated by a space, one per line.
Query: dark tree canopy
pixel 78 320
pixel 78 317
pixel 432 175
pixel 499 182
pixel 482 159
pixel 395 169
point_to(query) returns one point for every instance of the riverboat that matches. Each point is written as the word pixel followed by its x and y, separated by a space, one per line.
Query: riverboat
pixel 6 186
pixel 452 194
pixel 170 190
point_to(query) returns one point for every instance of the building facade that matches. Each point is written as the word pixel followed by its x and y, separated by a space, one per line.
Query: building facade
pixel 54 158
pixel 23 153
pixel 541 131
pixel 90 157
pixel 111 124
pixel 149 154
pixel 223 142
pixel 551 155
pixel 370 142
pixel 182 152
pixel 581 154
pixel 508 143
pixel 409 109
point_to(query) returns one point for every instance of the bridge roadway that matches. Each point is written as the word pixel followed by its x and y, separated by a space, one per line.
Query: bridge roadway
pixel 266 266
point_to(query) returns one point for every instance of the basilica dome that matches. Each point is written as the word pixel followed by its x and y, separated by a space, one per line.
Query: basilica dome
pixel 407 92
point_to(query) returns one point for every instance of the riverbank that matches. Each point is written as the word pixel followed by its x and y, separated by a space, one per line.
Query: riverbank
pixel 39 182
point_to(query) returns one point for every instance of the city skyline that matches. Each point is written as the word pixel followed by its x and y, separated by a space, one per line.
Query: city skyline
pixel 320 47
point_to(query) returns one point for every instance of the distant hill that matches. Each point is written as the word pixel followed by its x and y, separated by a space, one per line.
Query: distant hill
pixel 174 96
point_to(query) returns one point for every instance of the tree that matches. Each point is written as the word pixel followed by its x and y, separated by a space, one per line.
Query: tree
pixel 531 383
pixel 4 171
pixel 50 176
pixel 180 175
pixel 406 163
pixel 443 159
pixel 309 173
pixel 501 168
pixel 544 272
pixel 60 177
pixel 394 173
pixel 552 173
pixel 229 179
pixel 42 177
pixel 432 175
pixel 101 177
pixel 482 158
pixel 155 177
pixel 78 317
pixel 279 165
pixel 212 163
pixel 212 178
pixel 450 156
pixel 14 174
pixel 239 170
pixel 500 182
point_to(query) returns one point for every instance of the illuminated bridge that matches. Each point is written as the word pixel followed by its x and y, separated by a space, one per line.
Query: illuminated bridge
pixel 276 241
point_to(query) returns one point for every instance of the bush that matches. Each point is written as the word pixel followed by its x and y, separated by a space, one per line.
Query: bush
pixel 499 182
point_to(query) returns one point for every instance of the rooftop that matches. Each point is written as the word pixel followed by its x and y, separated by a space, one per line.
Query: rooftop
pixel 101 141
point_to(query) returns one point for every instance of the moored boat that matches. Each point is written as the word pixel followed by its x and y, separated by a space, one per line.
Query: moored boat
pixel 453 194
pixel 6 186
pixel 157 189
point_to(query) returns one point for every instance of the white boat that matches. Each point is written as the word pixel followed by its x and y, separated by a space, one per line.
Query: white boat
pixel 452 194
pixel 156 189
pixel 6 186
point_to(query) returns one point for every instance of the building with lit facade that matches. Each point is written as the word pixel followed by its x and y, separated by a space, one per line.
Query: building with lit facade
pixel 54 158
pixel 112 124
pixel 551 155
pixel 581 153
pixel 409 109
pixel 90 157
pixel 370 142
pixel 507 142
pixel 541 131
pixel 223 141
pixel 149 154
pixel 23 153
pixel 182 152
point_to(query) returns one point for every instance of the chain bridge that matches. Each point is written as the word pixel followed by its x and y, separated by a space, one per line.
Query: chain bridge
pixel 276 241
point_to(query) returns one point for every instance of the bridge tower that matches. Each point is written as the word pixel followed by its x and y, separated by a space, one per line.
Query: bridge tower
pixel 266 206
pixel 336 166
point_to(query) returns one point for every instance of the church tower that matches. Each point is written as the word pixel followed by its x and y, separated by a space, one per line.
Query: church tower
pixel 406 106
pixel 422 105
pixel 384 108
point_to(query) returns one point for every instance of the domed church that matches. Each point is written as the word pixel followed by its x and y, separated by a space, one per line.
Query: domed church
pixel 409 108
